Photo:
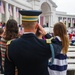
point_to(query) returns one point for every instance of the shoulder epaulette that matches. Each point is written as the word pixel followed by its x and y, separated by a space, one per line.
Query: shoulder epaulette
pixel 8 42
pixel 49 40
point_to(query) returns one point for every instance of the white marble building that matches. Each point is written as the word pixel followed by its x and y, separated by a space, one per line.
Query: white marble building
pixel 48 17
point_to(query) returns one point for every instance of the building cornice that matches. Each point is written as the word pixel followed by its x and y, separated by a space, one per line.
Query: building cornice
pixel 33 0
pixel 65 15
pixel 19 5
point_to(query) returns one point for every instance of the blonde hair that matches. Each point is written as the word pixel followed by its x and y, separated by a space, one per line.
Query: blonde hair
pixel 60 30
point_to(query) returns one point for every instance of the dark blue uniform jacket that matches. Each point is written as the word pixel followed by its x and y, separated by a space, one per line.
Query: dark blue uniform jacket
pixel 30 55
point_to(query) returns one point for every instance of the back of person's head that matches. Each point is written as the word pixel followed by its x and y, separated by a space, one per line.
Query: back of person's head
pixel 29 25
pixel 11 30
pixel 60 30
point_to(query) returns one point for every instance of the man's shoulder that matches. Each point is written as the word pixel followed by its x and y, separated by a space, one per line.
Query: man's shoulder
pixel 13 42
pixel 16 40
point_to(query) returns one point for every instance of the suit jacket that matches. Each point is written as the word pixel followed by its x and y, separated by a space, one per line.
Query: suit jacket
pixel 30 55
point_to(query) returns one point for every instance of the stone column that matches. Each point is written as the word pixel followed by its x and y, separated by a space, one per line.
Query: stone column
pixel 6 12
pixel 51 16
pixel 62 19
pixel 39 19
pixel 14 13
pixel 33 4
pixel 49 21
pixel 20 16
pixel 71 23
pixel 44 21
pixel 66 22
pixel 20 19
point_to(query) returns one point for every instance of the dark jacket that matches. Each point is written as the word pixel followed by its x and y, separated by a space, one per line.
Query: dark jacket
pixel 30 55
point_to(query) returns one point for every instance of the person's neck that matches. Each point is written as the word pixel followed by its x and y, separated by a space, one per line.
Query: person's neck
pixel 31 31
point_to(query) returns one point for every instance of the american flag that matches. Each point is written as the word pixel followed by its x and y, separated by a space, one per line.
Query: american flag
pixel 41 20
pixel 1 7
pixel 73 21
pixel 10 9
pixel 69 20
pixel 64 19
pixel 17 12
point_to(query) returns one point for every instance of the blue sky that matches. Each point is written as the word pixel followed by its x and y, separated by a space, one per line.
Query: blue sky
pixel 66 6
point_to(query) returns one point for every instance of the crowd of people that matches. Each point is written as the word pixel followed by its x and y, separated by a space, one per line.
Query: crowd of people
pixel 25 50
pixel 72 38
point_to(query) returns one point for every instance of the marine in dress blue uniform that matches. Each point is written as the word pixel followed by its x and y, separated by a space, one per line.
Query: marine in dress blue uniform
pixel 28 53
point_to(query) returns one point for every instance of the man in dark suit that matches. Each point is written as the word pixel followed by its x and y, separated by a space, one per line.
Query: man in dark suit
pixel 28 53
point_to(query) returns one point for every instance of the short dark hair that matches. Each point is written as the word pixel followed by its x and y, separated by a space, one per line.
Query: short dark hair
pixel 1 31
pixel 11 30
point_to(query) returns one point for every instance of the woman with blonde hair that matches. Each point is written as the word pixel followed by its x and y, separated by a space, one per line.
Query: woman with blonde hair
pixel 59 66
